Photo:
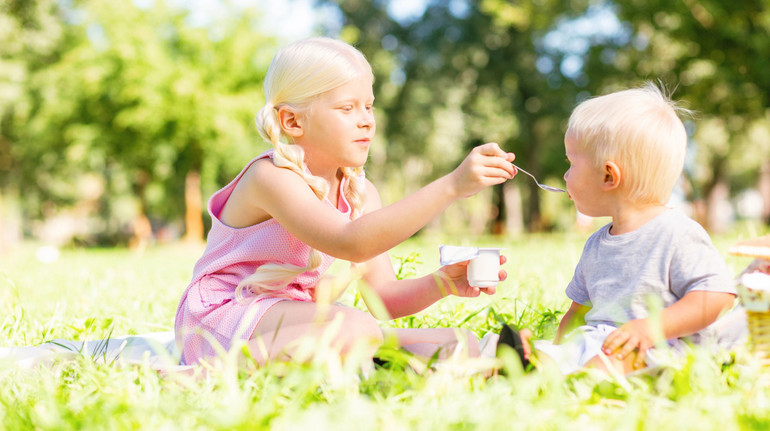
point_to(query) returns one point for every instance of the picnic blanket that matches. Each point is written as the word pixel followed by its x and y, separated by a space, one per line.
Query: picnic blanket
pixel 158 349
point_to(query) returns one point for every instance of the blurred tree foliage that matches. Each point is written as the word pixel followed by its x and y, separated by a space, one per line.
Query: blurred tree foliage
pixel 139 98
pixel 475 71
pixel 31 39
pixel 715 55
pixel 114 110
pixel 465 73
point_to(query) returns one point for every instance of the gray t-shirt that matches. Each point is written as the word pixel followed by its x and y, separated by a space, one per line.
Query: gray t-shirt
pixel 618 276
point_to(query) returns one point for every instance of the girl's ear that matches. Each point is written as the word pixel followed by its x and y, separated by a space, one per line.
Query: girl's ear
pixel 290 121
pixel 612 176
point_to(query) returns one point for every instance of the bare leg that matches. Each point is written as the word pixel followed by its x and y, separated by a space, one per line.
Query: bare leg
pixel 289 323
pixel 544 362
pixel 611 365
pixel 426 341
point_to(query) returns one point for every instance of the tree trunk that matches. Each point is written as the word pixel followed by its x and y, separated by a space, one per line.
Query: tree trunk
pixel 717 207
pixel 707 203
pixel 3 233
pixel 499 209
pixel 193 207
pixel 141 232
pixel 514 221
pixel 141 229
pixel 764 190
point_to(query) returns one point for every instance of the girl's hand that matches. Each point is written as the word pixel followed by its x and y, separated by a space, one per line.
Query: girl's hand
pixel 485 166
pixel 453 280
pixel 633 336
pixel 526 335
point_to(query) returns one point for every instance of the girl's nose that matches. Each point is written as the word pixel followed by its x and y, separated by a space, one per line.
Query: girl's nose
pixel 366 119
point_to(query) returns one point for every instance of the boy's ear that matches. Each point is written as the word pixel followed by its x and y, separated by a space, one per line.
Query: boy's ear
pixel 290 121
pixel 612 175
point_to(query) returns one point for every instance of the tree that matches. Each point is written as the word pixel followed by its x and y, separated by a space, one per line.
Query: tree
pixel 147 103
pixel 466 72
pixel 33 37
pixel 492 68
pixel 714 54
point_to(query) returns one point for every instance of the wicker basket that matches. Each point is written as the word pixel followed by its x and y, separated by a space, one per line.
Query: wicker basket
pixel 759 335
pixel 754 293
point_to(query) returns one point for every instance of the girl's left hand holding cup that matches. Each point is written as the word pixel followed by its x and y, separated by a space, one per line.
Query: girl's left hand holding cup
pixel 453 280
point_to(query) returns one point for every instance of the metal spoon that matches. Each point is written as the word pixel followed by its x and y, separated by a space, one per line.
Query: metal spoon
pixel 542 186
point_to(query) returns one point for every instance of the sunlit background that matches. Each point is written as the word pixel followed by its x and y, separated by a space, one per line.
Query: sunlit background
pixel 119 119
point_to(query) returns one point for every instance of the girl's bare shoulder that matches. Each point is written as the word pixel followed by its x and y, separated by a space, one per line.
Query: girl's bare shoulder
pixel 264 173
pixel 373 200
pixel 257 193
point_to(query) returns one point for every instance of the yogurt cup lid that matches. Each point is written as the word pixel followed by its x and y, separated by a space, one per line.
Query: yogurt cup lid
pixel 449 254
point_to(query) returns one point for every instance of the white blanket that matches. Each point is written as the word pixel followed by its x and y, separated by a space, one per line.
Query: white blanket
pixel 157 348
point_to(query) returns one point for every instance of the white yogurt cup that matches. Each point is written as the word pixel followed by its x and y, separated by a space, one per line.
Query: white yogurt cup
pixel 483 269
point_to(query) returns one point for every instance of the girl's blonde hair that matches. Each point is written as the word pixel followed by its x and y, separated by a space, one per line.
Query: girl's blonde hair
pixel 298 74
pixel 639 129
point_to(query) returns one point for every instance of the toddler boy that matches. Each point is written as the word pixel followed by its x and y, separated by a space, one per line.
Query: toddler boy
pixel 652 275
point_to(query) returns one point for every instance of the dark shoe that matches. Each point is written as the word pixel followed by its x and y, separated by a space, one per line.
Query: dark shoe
pixel 509 336
pixel 379 362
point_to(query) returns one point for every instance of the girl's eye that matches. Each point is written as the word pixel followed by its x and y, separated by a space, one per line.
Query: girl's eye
pixel 370 108
pixel 347 108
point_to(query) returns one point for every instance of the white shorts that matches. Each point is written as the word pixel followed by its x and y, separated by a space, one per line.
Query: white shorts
pixel 584 343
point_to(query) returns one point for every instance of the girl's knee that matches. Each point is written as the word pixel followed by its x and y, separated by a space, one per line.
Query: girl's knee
pixel 472 341
pixel 451 339
pixel 358 326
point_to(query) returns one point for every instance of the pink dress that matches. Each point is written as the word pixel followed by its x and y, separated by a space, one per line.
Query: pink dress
pixel 208 312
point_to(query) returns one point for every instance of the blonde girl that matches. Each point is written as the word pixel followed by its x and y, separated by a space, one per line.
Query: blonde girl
pixel 293 209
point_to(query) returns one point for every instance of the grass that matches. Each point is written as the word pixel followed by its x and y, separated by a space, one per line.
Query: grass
pixel 90 294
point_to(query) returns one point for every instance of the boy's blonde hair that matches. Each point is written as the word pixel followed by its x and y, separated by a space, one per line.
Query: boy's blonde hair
pixel 298 74
pixel 640 131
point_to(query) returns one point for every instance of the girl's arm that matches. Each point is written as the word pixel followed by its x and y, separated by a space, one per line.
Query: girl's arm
pixel 573 318
pixel 409 296
pixel 399 297
pixel 269 191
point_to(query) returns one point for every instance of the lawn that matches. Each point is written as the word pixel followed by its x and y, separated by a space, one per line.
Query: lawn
pixel 91 294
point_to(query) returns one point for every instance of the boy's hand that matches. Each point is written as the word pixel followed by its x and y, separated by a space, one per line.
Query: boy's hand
pixel 454 280
pixel 633 336
pixel 485 166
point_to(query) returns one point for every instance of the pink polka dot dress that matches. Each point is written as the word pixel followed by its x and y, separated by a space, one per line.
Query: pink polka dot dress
pixel 208 313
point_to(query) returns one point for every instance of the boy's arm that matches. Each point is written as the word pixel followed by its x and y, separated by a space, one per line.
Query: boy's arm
pixel 695 311
pixel 573 318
